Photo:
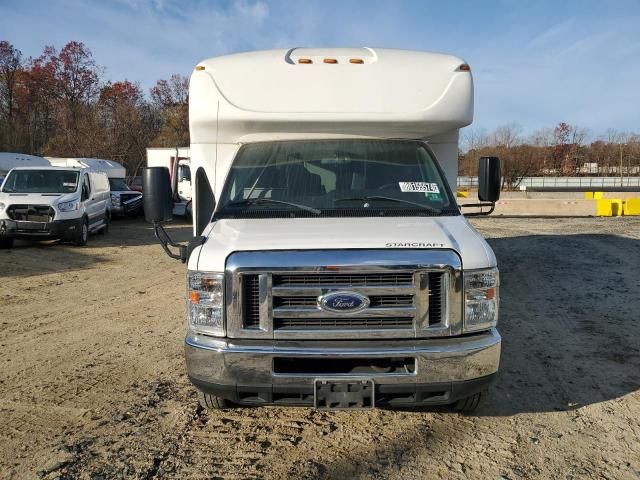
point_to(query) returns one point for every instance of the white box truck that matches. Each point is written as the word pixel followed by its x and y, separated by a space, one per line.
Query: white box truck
pixel 331 265
pixel 178 163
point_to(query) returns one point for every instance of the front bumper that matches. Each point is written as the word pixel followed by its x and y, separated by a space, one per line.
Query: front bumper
pixel 131 206
pixel 65 229
pixel 446 369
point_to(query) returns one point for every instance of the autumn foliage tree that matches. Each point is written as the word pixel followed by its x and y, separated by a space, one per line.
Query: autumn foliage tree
pixel 557 151
pixel 171 99
pixel 59 104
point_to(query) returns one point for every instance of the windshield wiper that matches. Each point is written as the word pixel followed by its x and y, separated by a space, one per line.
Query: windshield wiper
pixel 367 198
pixel 255 201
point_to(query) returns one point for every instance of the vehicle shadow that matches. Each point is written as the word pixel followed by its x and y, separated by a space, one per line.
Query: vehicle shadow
pixel 569 322
pixel 136 232
pixel 28 258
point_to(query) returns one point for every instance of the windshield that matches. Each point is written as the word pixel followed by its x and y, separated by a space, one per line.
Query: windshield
pixel 335 178
pixel 41 181
pixel 118 185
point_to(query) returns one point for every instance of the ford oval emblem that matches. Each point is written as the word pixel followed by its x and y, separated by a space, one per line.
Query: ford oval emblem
pixel 343 302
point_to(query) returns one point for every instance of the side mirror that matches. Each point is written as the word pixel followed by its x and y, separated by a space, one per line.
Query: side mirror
pixel 157 198
pixel 489 179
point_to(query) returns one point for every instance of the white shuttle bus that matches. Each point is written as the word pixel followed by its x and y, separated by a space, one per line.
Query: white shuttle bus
pixel 331 265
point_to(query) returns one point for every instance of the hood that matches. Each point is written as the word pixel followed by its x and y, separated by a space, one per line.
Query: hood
pixel 36 198
pixel 233 235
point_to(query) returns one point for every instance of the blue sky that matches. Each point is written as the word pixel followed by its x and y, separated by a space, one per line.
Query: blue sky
pixel 535 63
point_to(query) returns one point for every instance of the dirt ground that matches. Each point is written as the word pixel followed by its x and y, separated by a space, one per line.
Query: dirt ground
pixel 93 384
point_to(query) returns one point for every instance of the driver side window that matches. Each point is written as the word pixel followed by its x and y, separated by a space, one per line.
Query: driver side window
pixel 86 188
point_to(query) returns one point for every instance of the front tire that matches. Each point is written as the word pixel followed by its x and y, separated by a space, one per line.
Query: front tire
pixel 468 404
pixel 82 236
pixel 6 243
pixel 211 402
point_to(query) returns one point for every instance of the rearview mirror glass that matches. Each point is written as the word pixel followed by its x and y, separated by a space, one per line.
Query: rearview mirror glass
pixel 489 179
pixel 156 185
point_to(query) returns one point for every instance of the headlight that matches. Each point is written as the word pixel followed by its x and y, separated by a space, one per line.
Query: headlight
pixel 481 291
pixel 68 206
pixel 205 302
pixel 115 199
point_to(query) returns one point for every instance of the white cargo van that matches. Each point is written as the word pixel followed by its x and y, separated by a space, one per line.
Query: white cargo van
pixel 331 265
pixel 124 201
pixel 39 203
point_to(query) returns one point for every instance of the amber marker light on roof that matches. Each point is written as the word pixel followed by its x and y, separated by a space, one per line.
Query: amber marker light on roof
pixel 464 68
pixel 330 60
pixel 305 60
pixel 356 60
pixel 200 68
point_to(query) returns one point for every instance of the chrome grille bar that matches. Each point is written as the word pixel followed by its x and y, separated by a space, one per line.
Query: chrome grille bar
pixel 289 281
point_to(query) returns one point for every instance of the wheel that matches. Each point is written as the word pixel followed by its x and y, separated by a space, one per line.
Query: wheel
pixel 212 402
pixel 468 404
pixel 6 243
pixel 82 235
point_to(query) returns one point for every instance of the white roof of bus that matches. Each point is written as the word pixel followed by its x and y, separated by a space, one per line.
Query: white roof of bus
pixel 362 90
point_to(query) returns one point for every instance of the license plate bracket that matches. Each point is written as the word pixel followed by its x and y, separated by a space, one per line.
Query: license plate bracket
pixel 343 393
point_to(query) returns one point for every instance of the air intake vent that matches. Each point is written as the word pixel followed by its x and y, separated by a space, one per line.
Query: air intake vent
pixel 251 301
pixel 436 297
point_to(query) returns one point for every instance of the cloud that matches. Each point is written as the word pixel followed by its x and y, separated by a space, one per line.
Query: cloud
pixel 535 64
pixel 552 33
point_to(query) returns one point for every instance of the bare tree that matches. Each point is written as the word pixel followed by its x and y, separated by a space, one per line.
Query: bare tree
pixel 10 64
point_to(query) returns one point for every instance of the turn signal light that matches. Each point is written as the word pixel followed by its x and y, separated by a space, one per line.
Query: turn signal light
pixel 305 60
pixel 330 60
pixel 194 297
pixel 200 68
pixel 356 60
pixel 464 68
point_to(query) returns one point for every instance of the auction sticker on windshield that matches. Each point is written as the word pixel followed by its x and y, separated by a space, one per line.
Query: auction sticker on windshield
pixel 419 187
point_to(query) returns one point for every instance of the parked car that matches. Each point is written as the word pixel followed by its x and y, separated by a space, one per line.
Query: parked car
pixel 124 201
pixel 53 202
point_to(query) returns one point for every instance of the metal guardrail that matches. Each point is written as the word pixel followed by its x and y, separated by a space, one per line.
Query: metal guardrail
pixel 566 183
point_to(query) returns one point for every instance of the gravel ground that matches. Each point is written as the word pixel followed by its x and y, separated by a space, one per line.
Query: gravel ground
pixel 93 383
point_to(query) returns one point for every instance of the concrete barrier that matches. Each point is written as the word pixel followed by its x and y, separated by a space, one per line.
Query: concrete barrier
pixel 542 207
pixel 631 206
pixel 609 207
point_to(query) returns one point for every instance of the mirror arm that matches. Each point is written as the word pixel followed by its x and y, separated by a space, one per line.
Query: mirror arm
pixel 491 205
pixel 184 251
pixel 166 242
